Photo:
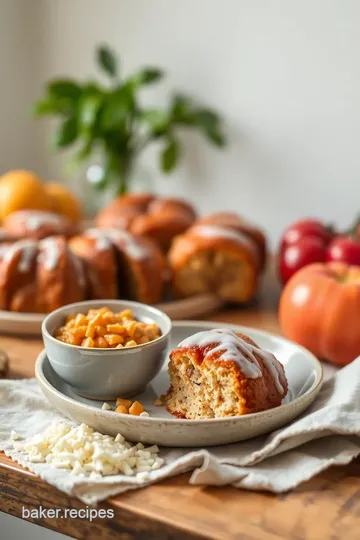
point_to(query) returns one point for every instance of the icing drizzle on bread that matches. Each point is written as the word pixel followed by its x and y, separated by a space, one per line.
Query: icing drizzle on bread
pixel 27 249
pixel 215 231
pixel 105 237
pixel 36 219
pixel 235 349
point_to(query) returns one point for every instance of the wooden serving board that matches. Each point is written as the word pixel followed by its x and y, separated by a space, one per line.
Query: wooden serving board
pixel 29 324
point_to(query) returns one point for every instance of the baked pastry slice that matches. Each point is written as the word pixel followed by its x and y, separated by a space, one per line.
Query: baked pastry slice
pixel 210 258
pixel 218 373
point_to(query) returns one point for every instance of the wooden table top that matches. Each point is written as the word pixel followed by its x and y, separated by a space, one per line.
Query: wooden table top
pixel 327 507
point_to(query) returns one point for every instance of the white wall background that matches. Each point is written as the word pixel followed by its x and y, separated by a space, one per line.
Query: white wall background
pixel 285 74
pixel 20 143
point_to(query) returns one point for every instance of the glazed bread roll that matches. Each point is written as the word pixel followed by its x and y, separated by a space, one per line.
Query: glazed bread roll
pixel 233 221
pixel 36 224
pixel 145 215
pixel 209 258
pixel 40 276
pixel 121 265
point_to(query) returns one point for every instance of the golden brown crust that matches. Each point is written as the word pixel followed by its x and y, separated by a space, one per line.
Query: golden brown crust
pixel 5 237
pixel 120 264
pixel 117 216
pixel 59 282
pixel 17 273
pixel 162 227
pixel 101 266
pixel 235 222
pixel 142 277
pixel 28 283
pixel 214 263
pixel 172 205
pixel 159 219
pixel 248 395
pixel 37 224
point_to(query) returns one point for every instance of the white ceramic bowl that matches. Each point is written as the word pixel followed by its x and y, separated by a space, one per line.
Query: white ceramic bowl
pixel 107 373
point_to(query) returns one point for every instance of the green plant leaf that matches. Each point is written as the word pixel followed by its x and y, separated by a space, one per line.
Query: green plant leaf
pixel 64 88
pixel 217 138
pixel 89 108
pixel 157 120
pixel 146 76
pixel 117 109
pixel 182 109
pixel 107 60
pixel 207 119
pixel 150 75
pixel 50 107
pixel 170 155
pixel 209 122
pixel 66 133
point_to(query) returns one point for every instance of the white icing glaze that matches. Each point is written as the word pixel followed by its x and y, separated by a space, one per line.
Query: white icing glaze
pixel 236 350
pixel 102 240
pixel 27 250
pixel 36 219
pixel 78 269
pixel 50 252
pixel 214 231
pixel 105 237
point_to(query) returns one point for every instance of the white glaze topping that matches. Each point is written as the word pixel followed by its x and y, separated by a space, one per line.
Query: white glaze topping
pixel 50 252
pixel 79 269
pixel 27 250
pixel 105 237
pixel 36 219
pixel 236 350
pixel 215 231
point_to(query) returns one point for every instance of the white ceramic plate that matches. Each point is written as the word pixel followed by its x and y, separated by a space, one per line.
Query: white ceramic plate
pixel 303 371
pixel 29 324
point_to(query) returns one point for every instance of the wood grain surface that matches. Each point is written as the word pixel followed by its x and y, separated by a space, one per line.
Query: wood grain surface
pixel 325 508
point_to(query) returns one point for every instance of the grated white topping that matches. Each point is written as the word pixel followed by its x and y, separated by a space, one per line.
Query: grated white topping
pixel 88 453
pixel 235 349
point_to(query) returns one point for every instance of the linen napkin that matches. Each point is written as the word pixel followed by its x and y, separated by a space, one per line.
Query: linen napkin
pixel 328 433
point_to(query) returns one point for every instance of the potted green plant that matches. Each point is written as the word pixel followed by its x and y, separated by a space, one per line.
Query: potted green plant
pixel 110 121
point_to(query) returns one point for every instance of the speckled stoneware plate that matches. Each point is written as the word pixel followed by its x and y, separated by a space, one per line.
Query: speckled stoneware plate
pixel 303 371
pixel 29 324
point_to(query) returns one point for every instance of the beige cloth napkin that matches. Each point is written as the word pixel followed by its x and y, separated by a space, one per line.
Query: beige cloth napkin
pixel 328 433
